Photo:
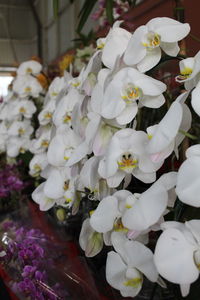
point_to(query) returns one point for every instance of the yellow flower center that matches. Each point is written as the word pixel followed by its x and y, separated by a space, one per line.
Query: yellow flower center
pixel 37 168
pixel 76 83
pixel 66 185
pixel 152 40
pixel 21 131
pixel 66 119
pixel 100 45
pixel 184 74
pixel 131 93
pixel 48 115
pixel 134 282
pixel 127 162
pixel 91 212
pixel 68 200
pixel 22 110
pixel 27 89
pixel 29 70
pixel 119 227
pixel 45 143
pixel 21 150
pixel 54 94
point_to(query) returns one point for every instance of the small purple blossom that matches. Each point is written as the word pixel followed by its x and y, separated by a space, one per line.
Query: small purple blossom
pixel 10 180
pixel 27 287
pixel 28 271
pixel 29 253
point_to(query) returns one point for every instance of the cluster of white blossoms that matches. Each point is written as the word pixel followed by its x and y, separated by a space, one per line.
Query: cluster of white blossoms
pixel 17 109
pixel 88 140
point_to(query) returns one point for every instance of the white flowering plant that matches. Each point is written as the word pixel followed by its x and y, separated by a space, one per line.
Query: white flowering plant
pixel 99 157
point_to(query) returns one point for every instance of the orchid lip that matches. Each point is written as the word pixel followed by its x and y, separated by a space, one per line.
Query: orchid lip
pixel 133 282
pixel 184 74
pixel 152 40
pixel 127 162
pixel 131 93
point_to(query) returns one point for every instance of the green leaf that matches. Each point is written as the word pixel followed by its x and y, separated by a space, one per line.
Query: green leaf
pixel 109 11
pixel 85 12
pixel 55 8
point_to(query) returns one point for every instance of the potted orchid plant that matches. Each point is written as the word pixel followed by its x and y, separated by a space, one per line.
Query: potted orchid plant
pixel 94 153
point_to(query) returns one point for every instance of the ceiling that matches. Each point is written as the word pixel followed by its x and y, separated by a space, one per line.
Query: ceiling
pixel 18 31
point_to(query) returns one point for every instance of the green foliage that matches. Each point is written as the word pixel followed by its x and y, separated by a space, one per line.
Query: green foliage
pixel 109 11
pixel 55 8
pixel 85 39
pixel 85 12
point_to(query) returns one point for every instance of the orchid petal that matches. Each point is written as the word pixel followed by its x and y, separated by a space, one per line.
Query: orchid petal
pixel 173 33
pixel 188 181
pixel 150 60
pixel 174 257
pixel 103 218
pixel 135 51
pixel 128 114
pixel 147 210
pixel 195 99
pixel 171 49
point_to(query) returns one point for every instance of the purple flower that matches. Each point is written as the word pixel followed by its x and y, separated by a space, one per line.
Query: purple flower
pixel 27 287
pixel 26 255
pixel 41 276
pixel 28 271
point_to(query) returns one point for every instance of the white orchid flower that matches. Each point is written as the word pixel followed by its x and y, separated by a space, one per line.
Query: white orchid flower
pixel 40 198
pixel 98 90
pixel 57 183
pixel 90 241
pixel 62 146
pixel 146 209
pixel 144 48
pixel 165 137
pixel 16 145
pixel 26 86
pixel 3 136
pixel 189 71
pixel 188 178
pixel 63 112
pixel 190 75
pixel 86 79
pixel 29 67
pixel 25 108
pixel 63 188
pixel 107 216
pixel 126 155
pixel 126 88
pixel 177 253
pixel 90 179
pixel 99 132
pixel 79 117
pixel 37 164
pixel 56 86
pixel 46 114
pixel 4 115
pixel 125 267
pixel 127 212
pixel 89 75
pixel 115 45
pixel 41 142
pixel 20 128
